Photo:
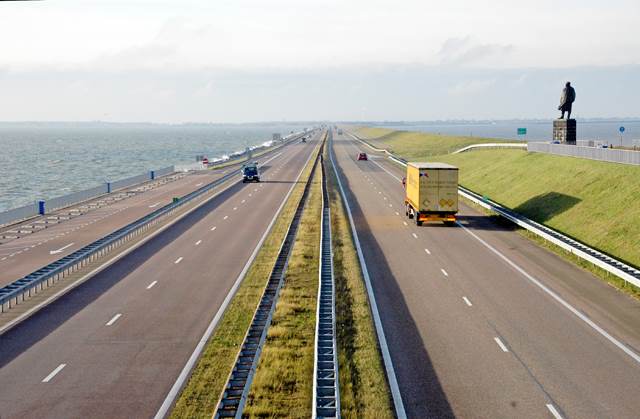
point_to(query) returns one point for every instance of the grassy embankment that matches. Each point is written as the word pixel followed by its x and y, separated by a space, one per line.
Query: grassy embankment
pixel 594 202
pixel 199 397
pixel 412 145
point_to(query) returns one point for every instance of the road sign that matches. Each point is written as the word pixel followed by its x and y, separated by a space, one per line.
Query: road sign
pixel 522 131
pixel 621 130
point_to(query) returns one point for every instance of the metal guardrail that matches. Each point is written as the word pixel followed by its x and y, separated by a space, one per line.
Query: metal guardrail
pixel 23 288
pixel 235 392
pixel 326 389
pixel 592 153
pixel 616 267
pixel 491 145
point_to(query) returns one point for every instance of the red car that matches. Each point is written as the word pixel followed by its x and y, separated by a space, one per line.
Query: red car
pixel 362 156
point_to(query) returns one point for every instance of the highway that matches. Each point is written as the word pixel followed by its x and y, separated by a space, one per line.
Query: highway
pixel 483 323
pixel 114 346
pixel 24 255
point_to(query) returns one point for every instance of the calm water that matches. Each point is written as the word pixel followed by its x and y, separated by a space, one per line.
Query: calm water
pixel 43 160
pixel 603 131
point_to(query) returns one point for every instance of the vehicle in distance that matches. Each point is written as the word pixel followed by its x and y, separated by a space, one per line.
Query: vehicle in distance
pixel 304 140
pixel 431 192
pixel 250 172
pixel 362 156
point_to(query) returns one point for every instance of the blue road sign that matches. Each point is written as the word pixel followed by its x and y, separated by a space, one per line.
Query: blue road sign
pixel 621 130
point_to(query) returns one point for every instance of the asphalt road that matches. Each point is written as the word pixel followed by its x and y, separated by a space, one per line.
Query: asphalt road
pixel 20 257
pixel 113 347
pixel 471 316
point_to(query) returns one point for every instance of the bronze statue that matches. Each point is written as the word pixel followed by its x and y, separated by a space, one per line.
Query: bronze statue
pixel 566 100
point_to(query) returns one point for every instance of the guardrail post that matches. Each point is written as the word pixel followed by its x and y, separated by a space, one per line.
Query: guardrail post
pixel 41 207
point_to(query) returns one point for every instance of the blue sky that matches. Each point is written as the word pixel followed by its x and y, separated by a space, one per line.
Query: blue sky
pixel 234 61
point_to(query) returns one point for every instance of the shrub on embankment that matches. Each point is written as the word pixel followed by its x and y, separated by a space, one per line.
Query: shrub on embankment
pixel 595 202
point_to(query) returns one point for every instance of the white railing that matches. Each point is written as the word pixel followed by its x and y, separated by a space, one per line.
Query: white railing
pixel 592 153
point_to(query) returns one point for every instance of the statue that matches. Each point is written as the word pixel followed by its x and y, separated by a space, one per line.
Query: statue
pixel 566 100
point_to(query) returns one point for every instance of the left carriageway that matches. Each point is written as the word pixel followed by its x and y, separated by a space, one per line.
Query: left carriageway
pixel 114 346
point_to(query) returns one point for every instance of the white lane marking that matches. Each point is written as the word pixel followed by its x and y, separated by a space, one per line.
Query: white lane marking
pixel 4 258
pixel 225 217
pixel 114 319
pixel 243 201
pixel 235 208
pixel 444 272
pixel 199 184
pixel 154 205
pixel 392 175
pixel 556 297
pixel 428 251
pixel 255 190
pixel 198 242
pixel 151 285
pixel 53 252
pixel 500 344
pixel 466 300
pixel 249 195
pixel 553 411
pixel 178 260
pixel 384 197
pixel 415 236
pixel 213 228
pixel 390 205
pixel 53 373
pixel 405 223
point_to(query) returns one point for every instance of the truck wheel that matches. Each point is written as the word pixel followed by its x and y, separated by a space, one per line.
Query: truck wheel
pixel 418 223
pixel 449 223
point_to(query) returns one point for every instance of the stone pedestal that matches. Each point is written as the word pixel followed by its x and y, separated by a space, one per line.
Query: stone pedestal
pixel 564 130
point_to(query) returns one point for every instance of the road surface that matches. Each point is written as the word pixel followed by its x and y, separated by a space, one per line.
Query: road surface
pixel 113 347
pixel 470 316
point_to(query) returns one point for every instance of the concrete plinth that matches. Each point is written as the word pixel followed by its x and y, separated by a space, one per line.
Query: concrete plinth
pixel 564 130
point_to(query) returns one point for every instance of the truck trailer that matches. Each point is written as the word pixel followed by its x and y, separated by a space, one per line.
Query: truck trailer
pixel 431 192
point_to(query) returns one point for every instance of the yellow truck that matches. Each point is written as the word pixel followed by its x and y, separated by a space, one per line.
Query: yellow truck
pixel 431 192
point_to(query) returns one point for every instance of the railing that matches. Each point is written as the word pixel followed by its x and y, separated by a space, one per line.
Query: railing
pixel 23 288
pixel 235 392
pixel 592 153
pixel 326 389
pixel 42 207
pixel 490 146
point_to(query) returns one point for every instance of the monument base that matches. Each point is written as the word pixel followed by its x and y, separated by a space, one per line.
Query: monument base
pixel 564 131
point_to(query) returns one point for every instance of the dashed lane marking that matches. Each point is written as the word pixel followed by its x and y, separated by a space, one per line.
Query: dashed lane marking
pixel 178 260
pixel 444 272
pixel 53 373
pixel 467 302
pixel 151 285
pixel 500 344
pixel 114 319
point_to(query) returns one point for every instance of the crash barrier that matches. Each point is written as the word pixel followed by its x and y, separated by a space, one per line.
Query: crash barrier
pixel 45 206
pixel 23 288
pixel 613 155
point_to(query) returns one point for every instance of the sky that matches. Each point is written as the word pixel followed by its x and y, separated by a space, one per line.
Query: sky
pixel 243 61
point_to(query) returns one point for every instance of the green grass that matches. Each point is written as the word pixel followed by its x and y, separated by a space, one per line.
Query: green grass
pixel 199 397
pixel 283 383
pixel 364 392
pixel 417 145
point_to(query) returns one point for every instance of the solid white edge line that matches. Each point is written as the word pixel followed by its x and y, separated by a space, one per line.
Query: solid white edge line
pixel 191 362
pixel 500 344
pixel 384 348
pixel 553 411
pixel 113 319
pixel 117 257
pixel 556 297
pixel 53 373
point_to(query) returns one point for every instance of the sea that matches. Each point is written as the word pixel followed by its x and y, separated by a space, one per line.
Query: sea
pixel 599 130
pixel 42 160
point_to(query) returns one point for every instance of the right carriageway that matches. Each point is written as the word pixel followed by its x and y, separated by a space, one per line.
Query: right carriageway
pixel 482 322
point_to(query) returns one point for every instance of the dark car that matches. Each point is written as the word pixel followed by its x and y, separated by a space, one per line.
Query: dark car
pixel 362 156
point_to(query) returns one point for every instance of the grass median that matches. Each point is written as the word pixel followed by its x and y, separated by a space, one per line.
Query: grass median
pixel 200 395
pixel 364 391
pixel 283 383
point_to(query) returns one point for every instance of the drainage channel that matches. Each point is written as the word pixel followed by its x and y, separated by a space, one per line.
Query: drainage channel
pixel 326 392
pixel 236 390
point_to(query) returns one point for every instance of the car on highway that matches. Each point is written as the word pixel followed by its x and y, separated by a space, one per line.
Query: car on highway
pixel 362 156
pixel 250 172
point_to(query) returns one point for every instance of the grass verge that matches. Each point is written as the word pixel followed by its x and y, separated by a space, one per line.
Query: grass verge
pixel 418 145
pixel 199 397
pixel 364 391
pixel 283 383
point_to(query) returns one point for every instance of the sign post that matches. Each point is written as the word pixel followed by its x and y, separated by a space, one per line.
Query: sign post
pixel 621 129
pixel 522 132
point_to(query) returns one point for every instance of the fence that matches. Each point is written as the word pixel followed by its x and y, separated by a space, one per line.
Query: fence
pixel 46 206
pixel 593 153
